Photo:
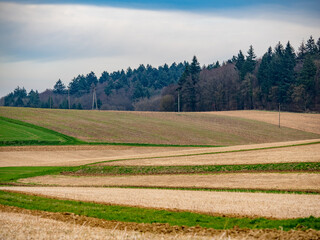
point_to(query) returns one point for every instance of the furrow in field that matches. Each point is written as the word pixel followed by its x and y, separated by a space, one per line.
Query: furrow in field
pixel 78 155
pixel 307 153
pixel 18 223
pixel 266 181
pixel 218 203
pixel 59 226
pixel 303 121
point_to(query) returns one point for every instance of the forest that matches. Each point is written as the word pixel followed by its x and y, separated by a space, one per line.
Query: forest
pixel 282 77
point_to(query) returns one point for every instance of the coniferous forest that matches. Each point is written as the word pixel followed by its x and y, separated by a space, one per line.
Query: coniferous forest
pixel 282 76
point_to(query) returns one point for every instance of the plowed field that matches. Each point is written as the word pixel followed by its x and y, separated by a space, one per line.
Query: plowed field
pixel 218 203
pixel 303 121
pixel 266 181
pixel 308 153
pixel 17 223
pixel 78 155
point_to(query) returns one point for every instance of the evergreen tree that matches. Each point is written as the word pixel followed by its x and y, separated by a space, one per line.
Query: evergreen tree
pixel 311 46
pixel 307 74
pixel 302 51
pixel 91 79
pixel 34 99
pixel 265 73
pixel 59 87
pixel 104 77
pixel 240 61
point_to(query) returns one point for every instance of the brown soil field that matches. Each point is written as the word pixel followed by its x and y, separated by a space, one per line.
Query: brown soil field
pixel 307 153
pixel 78 155
pixel 26 226
pixel 74 155
pixel 266 181
pixel 156 127
pixel 20 223
pixel 280 206
pixel 303 121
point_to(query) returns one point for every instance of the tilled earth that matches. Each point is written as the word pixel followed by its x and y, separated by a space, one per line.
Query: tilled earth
pixel 159 228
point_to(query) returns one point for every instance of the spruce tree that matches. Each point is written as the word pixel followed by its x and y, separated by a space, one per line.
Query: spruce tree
pixel 59 87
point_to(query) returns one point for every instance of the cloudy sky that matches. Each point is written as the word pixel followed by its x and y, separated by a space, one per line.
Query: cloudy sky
pixel 42 41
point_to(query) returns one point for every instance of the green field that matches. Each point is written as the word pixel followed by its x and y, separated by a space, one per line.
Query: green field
pixel 145 215
pixel 27 126
pixel 15 132
pixel 155 127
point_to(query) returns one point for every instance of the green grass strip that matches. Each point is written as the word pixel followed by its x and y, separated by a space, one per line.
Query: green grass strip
pixel 208 153
pixel 221 190
pixel 12 174
pixel 144 215
pixel 142 170
pixel 65 140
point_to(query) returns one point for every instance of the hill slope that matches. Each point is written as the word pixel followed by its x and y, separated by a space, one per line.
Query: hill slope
pixel 155 127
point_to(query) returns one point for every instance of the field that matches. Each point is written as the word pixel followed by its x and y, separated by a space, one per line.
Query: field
pixel 156 127
pixel 146 175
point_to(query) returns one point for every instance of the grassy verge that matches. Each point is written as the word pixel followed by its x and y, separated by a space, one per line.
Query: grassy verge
pixel 141 170
pixel 311 192
pixel 12 174
pixel 15 133
pixel 143 215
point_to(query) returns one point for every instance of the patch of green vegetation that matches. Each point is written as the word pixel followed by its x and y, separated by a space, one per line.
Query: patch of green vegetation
pixel 144 215
pixel 141 170
pixel 14 132
pixel 12 174
pixel 311 192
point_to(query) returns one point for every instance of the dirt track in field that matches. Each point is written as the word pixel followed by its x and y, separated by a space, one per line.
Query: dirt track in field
pixel 18 223
pixel 302 121
pixel 267 181
pixel 78 155
pixel 308 153
pixel 269 205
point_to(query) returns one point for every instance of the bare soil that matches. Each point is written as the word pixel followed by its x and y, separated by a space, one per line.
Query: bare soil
pixel 303 121
pixel 307 153
pixel 74 155
pixel 266 181
pixel 78 155
pixel 155 127
pixel 279 206
pixel 18 223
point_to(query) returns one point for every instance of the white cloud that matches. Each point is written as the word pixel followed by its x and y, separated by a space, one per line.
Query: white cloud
pixel 42 43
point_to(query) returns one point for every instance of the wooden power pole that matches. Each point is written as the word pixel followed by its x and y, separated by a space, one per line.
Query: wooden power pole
pixel 178 100
pixel 94 98
pixel 69 97
pixel 279 115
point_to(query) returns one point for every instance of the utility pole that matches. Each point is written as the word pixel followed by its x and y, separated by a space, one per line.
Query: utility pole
pixel 69 97
pixel 178 100
pixel 279 115
pixel 94 98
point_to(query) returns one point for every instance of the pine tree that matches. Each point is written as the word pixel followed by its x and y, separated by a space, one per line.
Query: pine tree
pixel 59 87
pixel 302 51
pixel 265 74
pixel 240 60
pixel 311 46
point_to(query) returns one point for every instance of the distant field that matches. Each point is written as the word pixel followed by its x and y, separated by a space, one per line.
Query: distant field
pixel 303 121
pixel 156 127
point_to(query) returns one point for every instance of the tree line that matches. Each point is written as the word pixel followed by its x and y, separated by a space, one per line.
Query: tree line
pixel 243 82
pixel 282 76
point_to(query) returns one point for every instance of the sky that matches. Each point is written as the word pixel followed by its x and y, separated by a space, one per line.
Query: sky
pixel 43 41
